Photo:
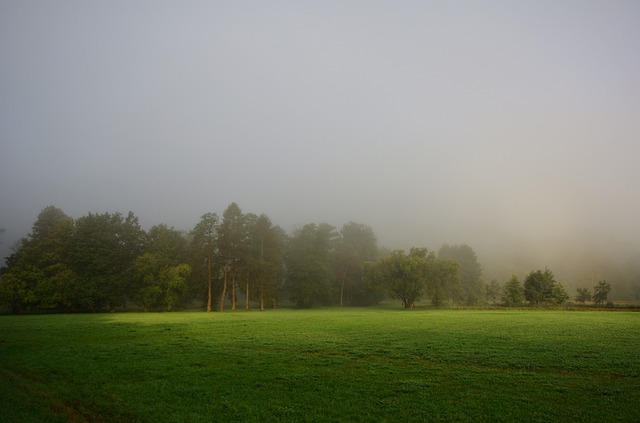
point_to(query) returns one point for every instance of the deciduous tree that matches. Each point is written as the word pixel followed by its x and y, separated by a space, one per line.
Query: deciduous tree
pixel 265 259
pixel 583 295
pixel 538 287
pixel 404 275
pixel 513 292
pixel 203 252
pixel 233 247
pixel 470 271
pixel 104 249
pixel 355 246
pixel 308 263
pixel 559 294
pixel 600 292
pixel 38 273
pixel 493 291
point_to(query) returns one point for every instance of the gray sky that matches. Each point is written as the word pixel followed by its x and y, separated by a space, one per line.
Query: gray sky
pixel 507 125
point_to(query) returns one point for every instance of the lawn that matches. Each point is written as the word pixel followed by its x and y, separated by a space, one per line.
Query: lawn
pixel 322 365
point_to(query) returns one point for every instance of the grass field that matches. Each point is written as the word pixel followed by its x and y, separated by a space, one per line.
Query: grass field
pixel 322 365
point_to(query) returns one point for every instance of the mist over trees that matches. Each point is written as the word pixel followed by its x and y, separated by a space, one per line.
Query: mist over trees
pixel 107 262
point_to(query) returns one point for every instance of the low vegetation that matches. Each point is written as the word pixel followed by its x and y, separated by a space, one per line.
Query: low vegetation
pixel 352 364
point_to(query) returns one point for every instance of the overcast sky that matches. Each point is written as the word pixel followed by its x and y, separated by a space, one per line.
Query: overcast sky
pixel 507 125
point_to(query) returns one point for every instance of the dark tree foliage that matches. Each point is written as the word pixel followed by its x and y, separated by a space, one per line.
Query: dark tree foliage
pixel 355 246
pixel 160 271
pixel 203 258
pixel 103 252
pixel 600 292
pixel 513 293
pixel 583 295
pixel 309 264
pixel 233 246
pixel 540 288
pixel 38 275
pixel 493 291
pixel 265 260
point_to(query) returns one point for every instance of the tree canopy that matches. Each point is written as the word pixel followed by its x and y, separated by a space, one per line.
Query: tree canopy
pixel 107 261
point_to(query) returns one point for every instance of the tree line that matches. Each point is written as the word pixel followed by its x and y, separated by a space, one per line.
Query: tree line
pixel 106 261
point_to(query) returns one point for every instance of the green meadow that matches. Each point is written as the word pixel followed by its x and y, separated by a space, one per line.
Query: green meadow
pixel 322 365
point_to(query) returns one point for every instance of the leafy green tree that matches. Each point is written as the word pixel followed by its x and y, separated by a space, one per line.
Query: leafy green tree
pixel 355 246
pixel 538 287
pixel 203 251
pixel 160 271
pixel 559 294
pixel 104 249
pixel 163 283
pixel 309 264
pixel 233 249
pixel 17 287
pixel 470 271
pixel 493 291
pixel 513 292
pixel 168 242
pixel 442 279
pixel 404 275
pixel 600 292
pixel 583 295
pixel 265 259
pixel 38 274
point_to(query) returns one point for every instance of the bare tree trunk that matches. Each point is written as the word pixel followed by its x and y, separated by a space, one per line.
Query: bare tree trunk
pixel 344 278
pixel 233 291
pixel 209 280
pixel 246 298
pixel 224 292
pixel 261 299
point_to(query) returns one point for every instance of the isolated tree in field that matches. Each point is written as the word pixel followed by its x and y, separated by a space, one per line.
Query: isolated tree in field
pixel 309 264
pixel 513 293
pixel 583 295
pixel 470 271
pixel 600 292
pixel 404 275
pixel 355 246
pixel 203 249
pixel 538 287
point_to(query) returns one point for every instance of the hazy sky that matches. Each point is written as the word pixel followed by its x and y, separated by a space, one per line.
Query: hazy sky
pixel 508 125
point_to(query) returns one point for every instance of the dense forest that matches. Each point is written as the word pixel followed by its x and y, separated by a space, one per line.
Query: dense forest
pixel 107 262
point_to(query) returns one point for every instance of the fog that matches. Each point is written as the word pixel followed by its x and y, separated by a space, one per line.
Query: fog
pixel 513 127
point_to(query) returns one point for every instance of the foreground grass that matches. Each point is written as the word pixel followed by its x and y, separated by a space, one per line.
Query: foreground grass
pixel 322 365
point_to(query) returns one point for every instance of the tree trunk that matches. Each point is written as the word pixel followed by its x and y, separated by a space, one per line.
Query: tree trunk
pixel 209 280
pixel 224 292
pixel 344 278
pixel 233 291
pixel 246 298
pixel 261 299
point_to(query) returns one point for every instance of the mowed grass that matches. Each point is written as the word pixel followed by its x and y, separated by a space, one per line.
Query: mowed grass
pixel 322 365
